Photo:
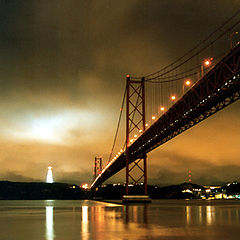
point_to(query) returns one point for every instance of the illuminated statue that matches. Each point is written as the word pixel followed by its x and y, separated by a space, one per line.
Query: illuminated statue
pixel 49 175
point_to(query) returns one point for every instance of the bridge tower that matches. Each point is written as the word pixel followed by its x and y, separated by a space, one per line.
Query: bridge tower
pixel 97 166
pixel 135 123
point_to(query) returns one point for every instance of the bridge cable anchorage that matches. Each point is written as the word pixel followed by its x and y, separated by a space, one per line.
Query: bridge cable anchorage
pixel 118 124
pixel 152 76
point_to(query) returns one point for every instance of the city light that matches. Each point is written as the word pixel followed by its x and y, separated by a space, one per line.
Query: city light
pixel 84 186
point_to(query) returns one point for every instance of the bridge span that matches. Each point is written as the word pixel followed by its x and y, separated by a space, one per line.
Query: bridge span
pixel 217 89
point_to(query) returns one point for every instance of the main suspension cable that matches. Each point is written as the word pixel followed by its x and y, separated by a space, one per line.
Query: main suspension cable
pixel 194 55
pixel 151 76
pixel 118 125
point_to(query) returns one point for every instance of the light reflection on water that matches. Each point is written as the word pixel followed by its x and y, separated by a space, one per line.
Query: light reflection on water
pixel 210 210
pixel 84 223
pixel 49 223
pixel 90 220
pixel 200 215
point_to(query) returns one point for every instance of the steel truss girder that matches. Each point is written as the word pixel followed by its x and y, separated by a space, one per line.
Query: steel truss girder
pixel 200 118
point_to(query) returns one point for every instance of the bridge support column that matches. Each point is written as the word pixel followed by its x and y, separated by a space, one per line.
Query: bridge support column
pixel 97 166
pixel 135 125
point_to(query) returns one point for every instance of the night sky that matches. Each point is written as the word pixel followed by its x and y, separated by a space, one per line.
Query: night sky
pixel 62 77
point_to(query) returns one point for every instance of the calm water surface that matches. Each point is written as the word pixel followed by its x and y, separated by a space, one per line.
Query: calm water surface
pixel 87 220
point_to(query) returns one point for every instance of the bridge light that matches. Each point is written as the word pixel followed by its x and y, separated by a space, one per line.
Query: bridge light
pixel 207 62
pixel 153 117
pixel 135 135
pixel 146 125
pixel 231 37
pixel 121 150
pixel 162 108
pixel 187 82
pixel 173 97
pixel 140 130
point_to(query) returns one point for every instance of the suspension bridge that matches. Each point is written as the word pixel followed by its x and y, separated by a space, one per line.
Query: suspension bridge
pixel 162 105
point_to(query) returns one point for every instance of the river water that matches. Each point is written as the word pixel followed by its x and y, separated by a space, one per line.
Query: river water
pixel 90 220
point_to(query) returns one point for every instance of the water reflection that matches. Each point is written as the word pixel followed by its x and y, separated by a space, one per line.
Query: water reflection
pixel 49 223
pixel 106 217
pixel 136 214
pixel 200 215
pixel 210 210
pixel 85 222
pixel 188 214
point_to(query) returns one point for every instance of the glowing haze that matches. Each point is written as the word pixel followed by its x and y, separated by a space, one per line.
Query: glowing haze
pixel 62 68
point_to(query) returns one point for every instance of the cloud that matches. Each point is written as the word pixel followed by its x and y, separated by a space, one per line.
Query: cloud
pixel 75 177
pixel 206 175
pixel 15 177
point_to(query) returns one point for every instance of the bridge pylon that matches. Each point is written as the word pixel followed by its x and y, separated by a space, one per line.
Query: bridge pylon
pixel 135 124
pixel 97 166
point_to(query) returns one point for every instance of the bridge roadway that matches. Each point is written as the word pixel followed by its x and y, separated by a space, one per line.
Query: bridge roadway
pixel 216 90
